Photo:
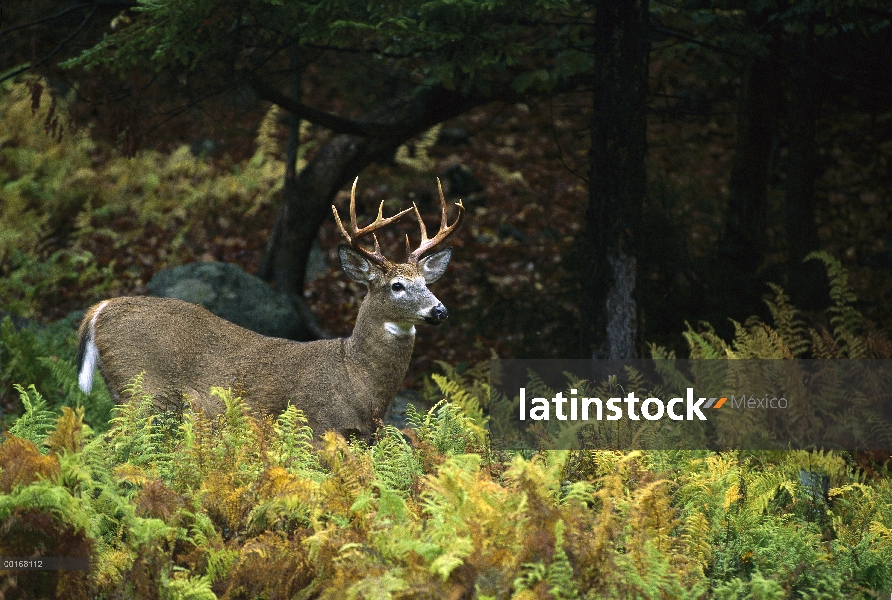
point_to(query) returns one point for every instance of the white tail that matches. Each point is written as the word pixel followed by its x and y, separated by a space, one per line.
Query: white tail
pixel 345 385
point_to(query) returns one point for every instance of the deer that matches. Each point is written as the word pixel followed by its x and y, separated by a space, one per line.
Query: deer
pixel 344 385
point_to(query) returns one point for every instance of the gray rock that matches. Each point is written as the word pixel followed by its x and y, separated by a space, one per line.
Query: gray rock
pixel 228 292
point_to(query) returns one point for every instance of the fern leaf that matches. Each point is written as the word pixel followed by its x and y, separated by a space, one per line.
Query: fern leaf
pixel 37 421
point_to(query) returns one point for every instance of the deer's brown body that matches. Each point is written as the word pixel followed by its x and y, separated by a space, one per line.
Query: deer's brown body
pixel 345 385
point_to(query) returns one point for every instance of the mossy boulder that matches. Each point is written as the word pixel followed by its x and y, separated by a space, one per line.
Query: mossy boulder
pixel 228 292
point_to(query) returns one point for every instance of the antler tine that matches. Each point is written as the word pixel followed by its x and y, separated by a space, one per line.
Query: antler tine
pixel 420 224
pixel 353 207
pixel 443 220
pixel 356 232
pixel 445 229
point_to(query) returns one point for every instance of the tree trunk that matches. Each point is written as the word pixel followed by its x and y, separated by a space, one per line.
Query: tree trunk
pixel 741 248
pixel 618 181
pixel 806 282
pixel 279 274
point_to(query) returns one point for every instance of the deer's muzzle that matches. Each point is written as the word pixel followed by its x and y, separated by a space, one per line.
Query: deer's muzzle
pixel 437 315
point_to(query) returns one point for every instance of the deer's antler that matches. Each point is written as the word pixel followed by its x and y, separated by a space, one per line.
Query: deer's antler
pixel 444 232
pixel 356 233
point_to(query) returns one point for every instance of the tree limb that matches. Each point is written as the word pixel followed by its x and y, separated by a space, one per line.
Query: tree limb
pixel 328 120
pixel 387 129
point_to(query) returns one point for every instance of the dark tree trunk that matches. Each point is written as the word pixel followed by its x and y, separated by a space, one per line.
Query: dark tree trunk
pixel 741 248
pixel 308 195
pixel 806 282
pixel 618 180
pixel 280 274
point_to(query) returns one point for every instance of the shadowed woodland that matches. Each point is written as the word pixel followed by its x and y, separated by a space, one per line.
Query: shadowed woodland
pixel 640 179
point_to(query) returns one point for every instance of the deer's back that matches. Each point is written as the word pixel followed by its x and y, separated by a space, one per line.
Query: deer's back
pixel 183 348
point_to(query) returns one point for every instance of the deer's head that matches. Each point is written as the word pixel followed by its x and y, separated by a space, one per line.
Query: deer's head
pixel 398 292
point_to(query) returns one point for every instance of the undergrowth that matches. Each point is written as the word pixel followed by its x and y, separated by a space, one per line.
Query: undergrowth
pixel 66 197
pixel 45 355
pixel 172 504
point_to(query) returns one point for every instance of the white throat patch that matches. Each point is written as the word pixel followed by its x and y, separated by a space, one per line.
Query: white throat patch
pixel 397 329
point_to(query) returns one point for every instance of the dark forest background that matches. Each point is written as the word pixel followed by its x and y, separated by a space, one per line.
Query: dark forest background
pixel 628 167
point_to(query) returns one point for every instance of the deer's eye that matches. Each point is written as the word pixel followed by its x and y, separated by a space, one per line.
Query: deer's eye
pixel 396 287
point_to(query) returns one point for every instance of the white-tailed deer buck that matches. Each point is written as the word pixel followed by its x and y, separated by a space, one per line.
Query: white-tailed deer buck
pixel 345 385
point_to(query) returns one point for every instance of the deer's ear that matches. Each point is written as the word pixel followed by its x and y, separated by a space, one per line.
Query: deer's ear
pixel 357 266
pixel 434 265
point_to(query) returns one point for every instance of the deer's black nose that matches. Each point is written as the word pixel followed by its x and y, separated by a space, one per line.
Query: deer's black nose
pixel 437 314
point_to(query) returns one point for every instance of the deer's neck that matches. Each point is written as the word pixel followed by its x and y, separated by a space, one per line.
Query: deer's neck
pixel 381 351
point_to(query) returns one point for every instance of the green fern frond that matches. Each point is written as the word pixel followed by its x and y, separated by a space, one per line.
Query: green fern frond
pixel 536 386
pixel 182 586
pixel 37 421
pixel 846 321
pixel 143 435
pixel 705 344
pixel 789 325
pixel 62 376
pixel 559 577
pixel 457 394
pixel 236 437
pixel 291 446
pixel 394 462
pixel 445 427
pixel 762 489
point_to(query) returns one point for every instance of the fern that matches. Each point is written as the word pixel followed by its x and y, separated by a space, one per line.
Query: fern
pixel 64 374
pixel 758 587
pixel 394 462
pixel 705 344
pixel 133 437
pixel 37 420
pixel 44 355
pixel 291 445
pixel 455 393
pixel 846 321
pixel 790 326
pixel 536 386
pixel 559 576
pixel 238 436
pixel 415 154
pixel 445 427
pixel 184 587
